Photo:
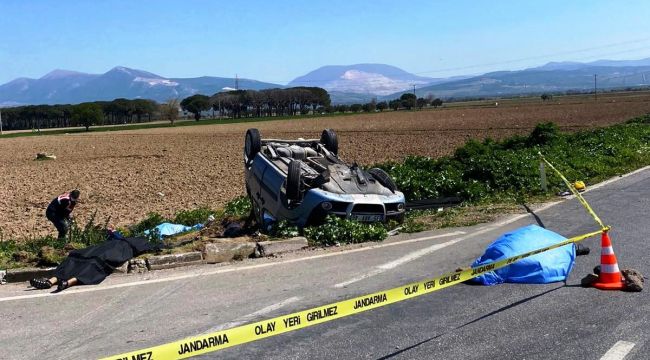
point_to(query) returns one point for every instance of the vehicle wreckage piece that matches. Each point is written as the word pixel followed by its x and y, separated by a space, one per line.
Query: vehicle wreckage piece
pixel 303 180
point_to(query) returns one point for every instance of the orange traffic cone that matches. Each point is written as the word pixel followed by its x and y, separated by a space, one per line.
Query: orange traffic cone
pixel 610 277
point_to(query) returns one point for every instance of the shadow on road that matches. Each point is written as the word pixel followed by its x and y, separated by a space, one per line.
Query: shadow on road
pixel 522 301
pixel 537 219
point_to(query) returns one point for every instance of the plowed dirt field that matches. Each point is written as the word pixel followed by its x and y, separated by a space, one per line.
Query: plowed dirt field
pixel 127 174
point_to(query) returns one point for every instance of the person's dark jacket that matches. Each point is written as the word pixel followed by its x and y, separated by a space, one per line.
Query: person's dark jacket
pixel 61 206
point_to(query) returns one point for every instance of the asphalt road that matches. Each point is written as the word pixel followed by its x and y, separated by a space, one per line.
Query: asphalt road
pixel 555 321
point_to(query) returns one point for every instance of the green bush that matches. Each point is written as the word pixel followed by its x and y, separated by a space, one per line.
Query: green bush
pixel 152 220
pixel 489 170
pixel 90 234
pixel 344 231
pixel 284 229
pixel 193 217
pixel 544 134
pixel 643 119
pixel 238 207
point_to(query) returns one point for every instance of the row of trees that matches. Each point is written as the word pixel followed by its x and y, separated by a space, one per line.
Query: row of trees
pixel 254 103
pixel 235 104
pixel 118 111
pixel 407 101
pixel 292 101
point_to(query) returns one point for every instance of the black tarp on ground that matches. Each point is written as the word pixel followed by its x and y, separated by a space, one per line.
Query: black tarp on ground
pixel 93 264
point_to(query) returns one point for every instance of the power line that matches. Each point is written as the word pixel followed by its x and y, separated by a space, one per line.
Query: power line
pixel 514 60
pixel 548 55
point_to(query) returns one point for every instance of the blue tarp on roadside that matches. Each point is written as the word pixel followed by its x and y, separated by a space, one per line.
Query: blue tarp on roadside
pixel 547 267
pixel 168 229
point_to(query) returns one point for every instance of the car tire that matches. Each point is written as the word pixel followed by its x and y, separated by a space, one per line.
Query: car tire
pixel 252 145
pixel 383 178
pixel 330 141
pixel 293 181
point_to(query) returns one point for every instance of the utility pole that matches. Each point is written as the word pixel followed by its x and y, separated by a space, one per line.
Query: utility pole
pixel 415 99
pixel 595 87
pixel 236 82
pixel 0 122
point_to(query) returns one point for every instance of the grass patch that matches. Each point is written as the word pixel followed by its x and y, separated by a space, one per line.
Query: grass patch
pixel 467 215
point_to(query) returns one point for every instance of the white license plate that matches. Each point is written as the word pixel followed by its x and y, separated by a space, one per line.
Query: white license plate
pixel 367 218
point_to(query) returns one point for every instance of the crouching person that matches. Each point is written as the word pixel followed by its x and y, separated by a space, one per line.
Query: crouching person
pixel 60 209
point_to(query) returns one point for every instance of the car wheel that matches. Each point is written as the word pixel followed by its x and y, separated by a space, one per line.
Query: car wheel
pixel 331 142
pixel 252 145
pixel 383 178
pixel 293 181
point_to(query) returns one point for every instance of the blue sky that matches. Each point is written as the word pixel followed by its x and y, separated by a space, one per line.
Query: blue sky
pixel 277 41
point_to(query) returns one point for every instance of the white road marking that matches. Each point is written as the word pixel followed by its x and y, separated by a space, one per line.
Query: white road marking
pixel 395 263
pixel 247 318
pixel 618 351
pixel 422 252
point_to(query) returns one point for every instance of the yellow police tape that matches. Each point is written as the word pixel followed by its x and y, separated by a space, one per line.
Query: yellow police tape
pixel 219 340
pixel 576 193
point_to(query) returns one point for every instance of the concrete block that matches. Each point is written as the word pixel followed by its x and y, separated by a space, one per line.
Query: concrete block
pixel 122 269
pixel 224 250
pixel 268 248
pixel 174 260
pixel 25 274
pixel 138 266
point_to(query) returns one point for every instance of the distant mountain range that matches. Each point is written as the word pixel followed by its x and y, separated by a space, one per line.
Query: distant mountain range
pixel 376 79
pixel 552 77
pixel 346 83
pixel 71 87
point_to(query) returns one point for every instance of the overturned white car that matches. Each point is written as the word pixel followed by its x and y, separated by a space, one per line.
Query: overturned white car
pixel 302 181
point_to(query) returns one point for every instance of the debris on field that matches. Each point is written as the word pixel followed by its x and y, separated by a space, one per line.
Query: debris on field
pixel 45 156
pixel 395 231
